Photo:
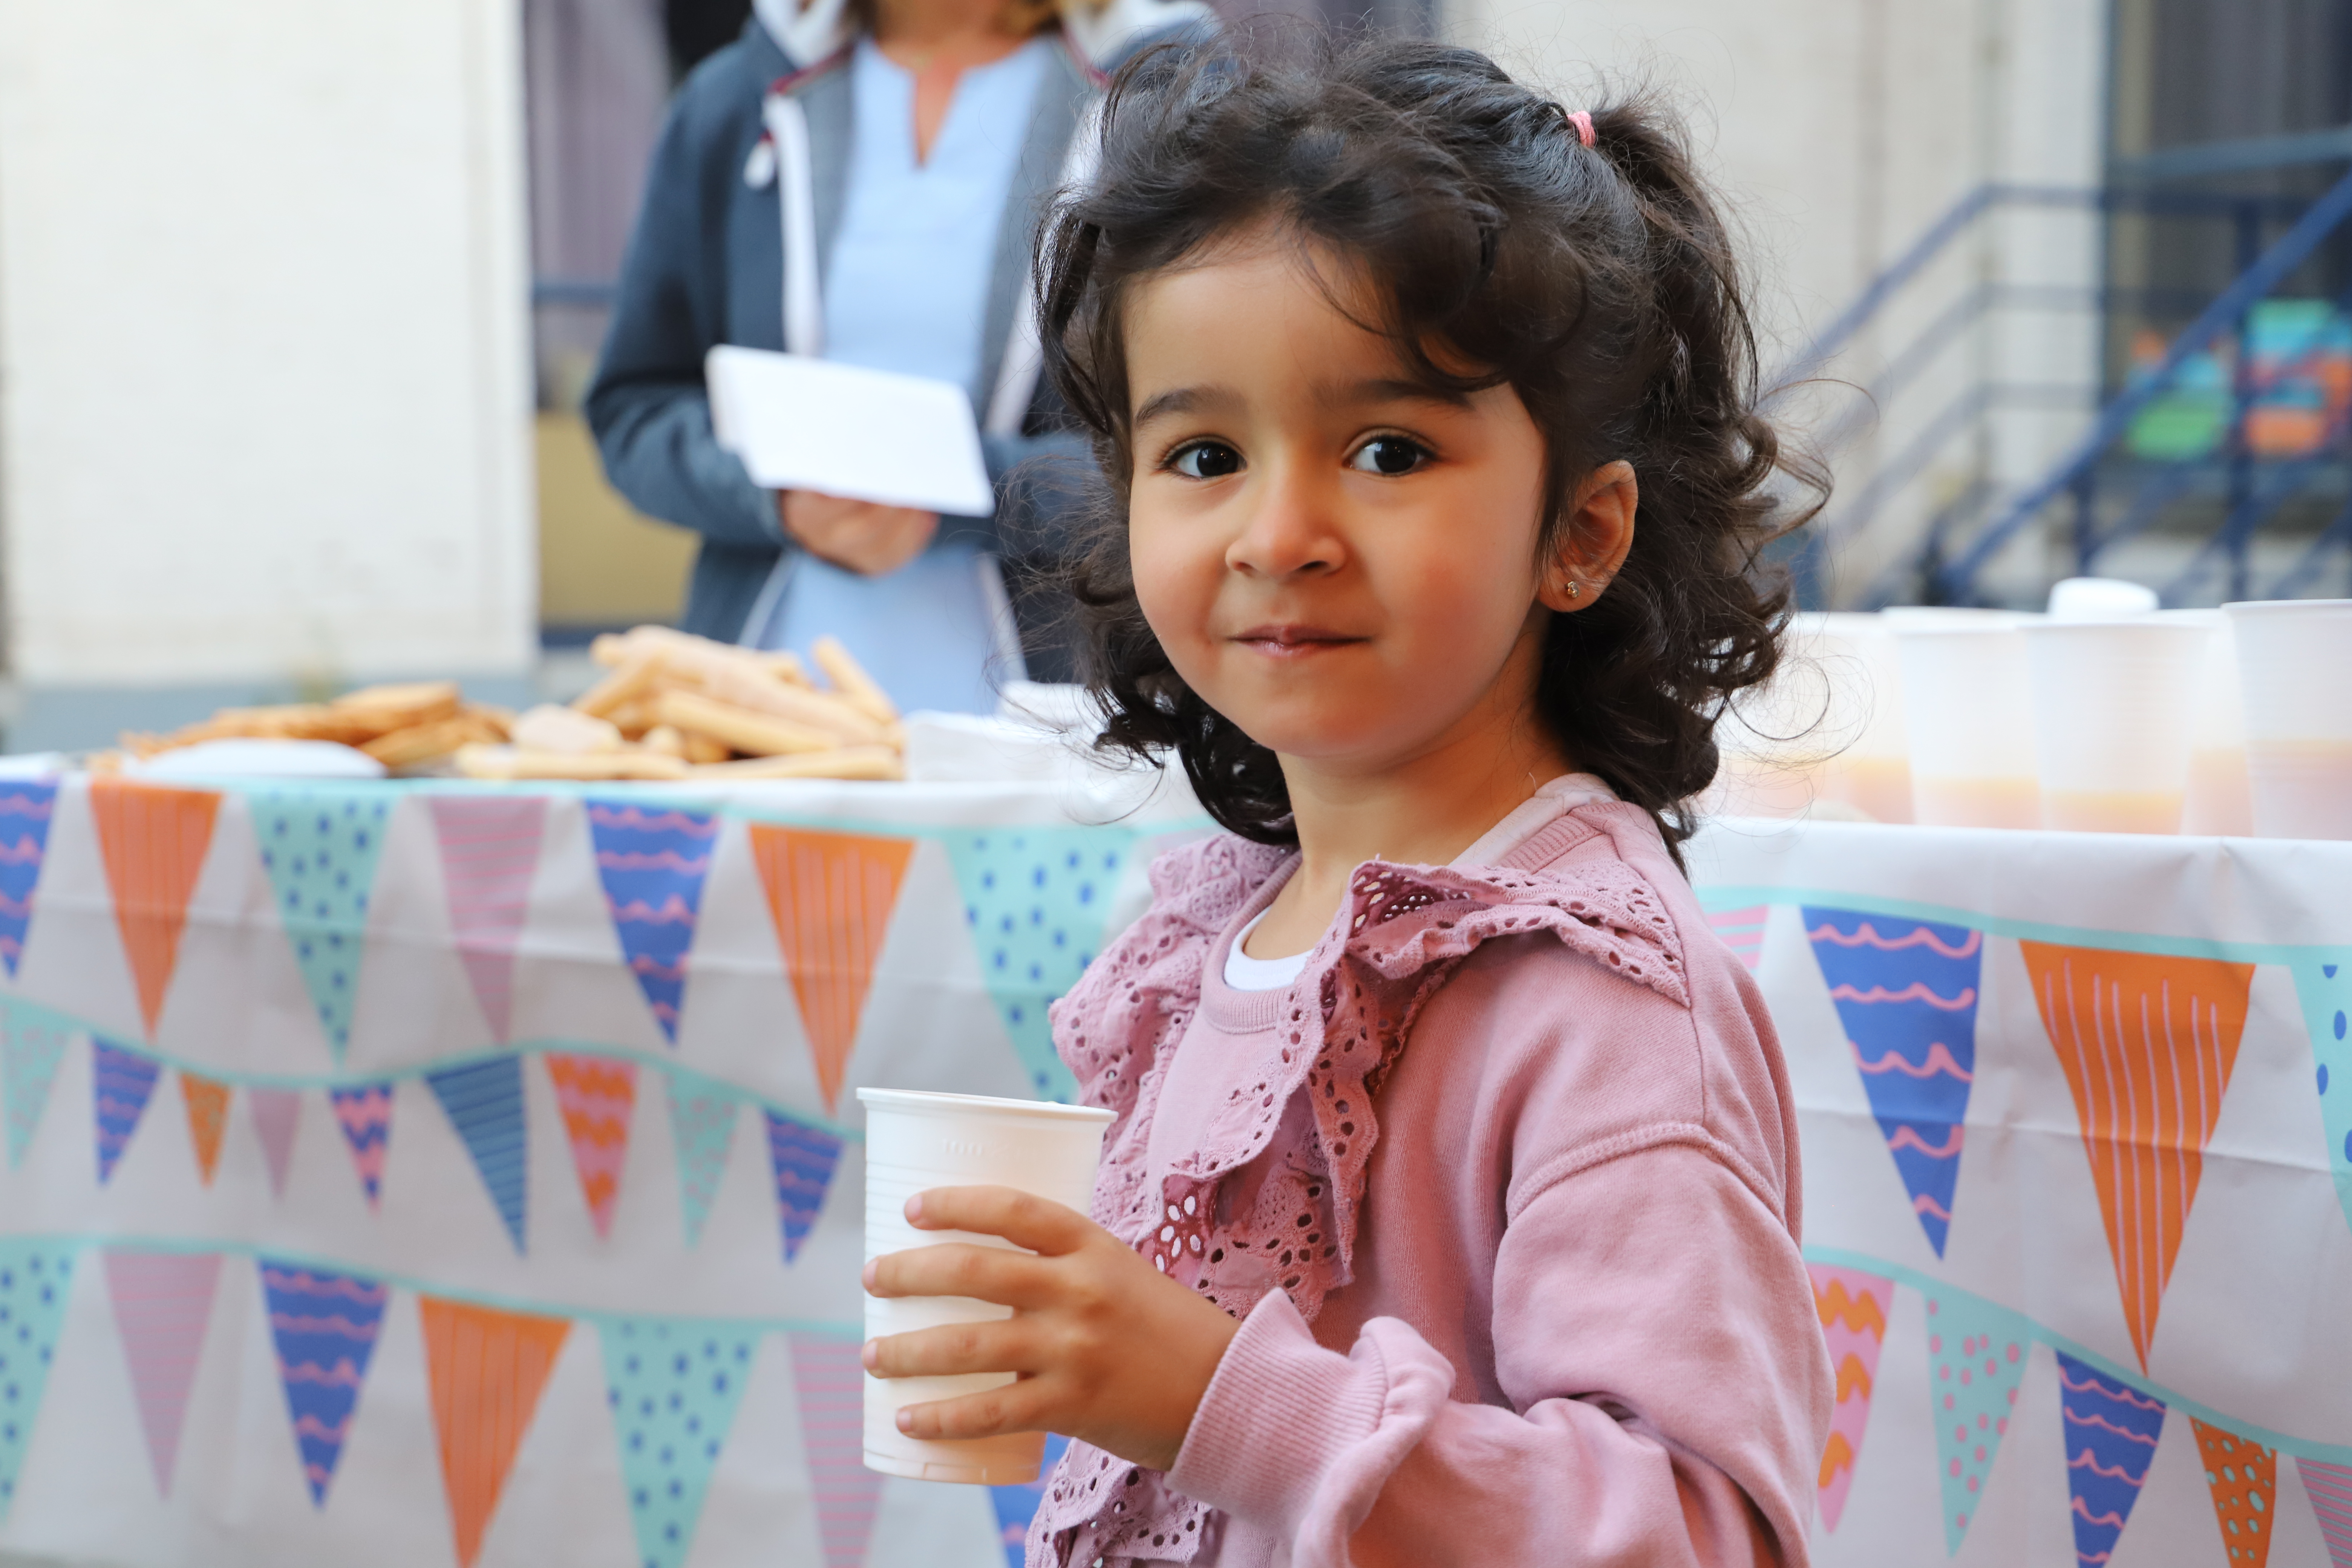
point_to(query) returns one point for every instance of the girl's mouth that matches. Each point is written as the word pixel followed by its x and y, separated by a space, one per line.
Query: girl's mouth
pixel 1294 641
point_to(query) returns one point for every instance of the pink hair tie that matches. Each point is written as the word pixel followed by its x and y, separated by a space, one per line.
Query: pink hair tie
pixel 1582 121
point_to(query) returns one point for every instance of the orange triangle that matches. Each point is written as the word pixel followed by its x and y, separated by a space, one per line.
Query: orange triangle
pixel 2147 1043
pixel 831 894
pixel 597 1095
pixel 154 841
pixel 207 1102
pixel 2243 1478
pixel 487 1369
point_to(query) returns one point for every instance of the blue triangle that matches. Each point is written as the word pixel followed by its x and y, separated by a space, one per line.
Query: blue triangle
pixel 26 808
pixel 483 1103
pixel 121 1082
pixel 325 1327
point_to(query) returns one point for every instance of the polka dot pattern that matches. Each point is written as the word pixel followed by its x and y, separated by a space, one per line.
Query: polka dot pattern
pixel 321 849
pixel 1976 1358
pixel 35 1277
pixel 674 1386
pixel 1035 899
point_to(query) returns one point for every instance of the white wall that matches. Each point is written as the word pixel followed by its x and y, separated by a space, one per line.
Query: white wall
pixel 265 400
pixel 1840 130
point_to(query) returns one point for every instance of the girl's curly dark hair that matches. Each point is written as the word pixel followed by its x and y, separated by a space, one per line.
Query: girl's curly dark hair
pixel 1599 282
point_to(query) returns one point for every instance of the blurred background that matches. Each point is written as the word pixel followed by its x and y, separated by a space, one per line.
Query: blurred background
pixel 299 298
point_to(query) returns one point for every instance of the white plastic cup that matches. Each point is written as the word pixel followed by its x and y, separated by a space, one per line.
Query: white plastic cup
pixel 915 1142
pixel 2220 802
pixel 1827 730
pixel 2294 656
pixel 1872 773
pixel 2100 599
pixel 1967 711
pixel 2111 725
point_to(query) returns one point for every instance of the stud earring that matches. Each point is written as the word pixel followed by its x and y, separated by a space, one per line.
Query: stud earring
pixel 1574 588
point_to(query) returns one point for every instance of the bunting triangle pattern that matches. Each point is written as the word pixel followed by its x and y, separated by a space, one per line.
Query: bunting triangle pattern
pixel 802 1157
pixel 154 842
pixel 206 1100
pixel 1742 932
pixel 2329 1487
pixel 1976 1359
pixel 483 1100
pixel 597 1095
pixel 2111 1437
pixel 34 1278
pixel 489 853
pixel 1854 1308
pixel 321 849
pixel 26 808
pixel 324 1326
pixel 652 864
pixel 364 1113
pixel 1017 1506
pixel 831 895
pixel 674 1386
pixel 1036 898
pixel 830 1386
pixel 275 1113
pixel 32 1043
pixel 1905 992
pixel 486 1369
pixel 162 1300
pixel 702 1117
pixel 2243 1478
pixel 122 1083
pixel 2146 1043
pixel 2323 983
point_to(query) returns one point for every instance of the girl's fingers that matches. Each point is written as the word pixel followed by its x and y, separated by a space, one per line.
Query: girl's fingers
pixel 952 1351
pixel 1020 1406
pixel 1021 1218
pixel 959 1268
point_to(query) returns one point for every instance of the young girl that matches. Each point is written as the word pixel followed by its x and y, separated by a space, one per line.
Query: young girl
pixel 1451 1212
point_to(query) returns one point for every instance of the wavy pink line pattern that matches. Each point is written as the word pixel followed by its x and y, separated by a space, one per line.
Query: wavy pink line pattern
pixel 2138 1401
pixel 665 821
pixel 303 1323
pixel 303 1279
pixel 657 860
pixel 1905 1138
pixel 2112 1521
pixel 1867 936
pixel 645 963
pixel 2086 1460
pixel 25 851
pixel 19 806
pixel 674 911
pixel 1916 991
pixel 1923 1203
pixel 342 1375
pixel 1939 1061
pixel 307 1426
pixel 2104 1425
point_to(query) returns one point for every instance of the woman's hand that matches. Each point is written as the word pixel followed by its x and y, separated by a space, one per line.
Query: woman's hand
pixel 860 536
pixel 1109 1349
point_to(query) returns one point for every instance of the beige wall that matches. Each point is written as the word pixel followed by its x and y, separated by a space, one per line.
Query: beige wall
pixel 263 282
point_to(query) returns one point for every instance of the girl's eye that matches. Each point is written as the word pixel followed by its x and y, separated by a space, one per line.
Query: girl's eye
pixel 1206 460
pixel 1388 456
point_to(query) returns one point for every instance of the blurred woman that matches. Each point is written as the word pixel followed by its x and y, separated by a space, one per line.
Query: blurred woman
pixel 857 179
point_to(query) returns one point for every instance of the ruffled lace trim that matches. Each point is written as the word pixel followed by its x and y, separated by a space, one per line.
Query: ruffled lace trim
pixel 1225 1222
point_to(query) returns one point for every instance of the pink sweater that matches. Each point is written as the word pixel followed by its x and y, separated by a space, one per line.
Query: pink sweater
pixel 1505 1192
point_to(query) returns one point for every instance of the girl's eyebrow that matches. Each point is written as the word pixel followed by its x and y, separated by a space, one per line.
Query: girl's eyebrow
pixel 1185 400
pixel 1341 395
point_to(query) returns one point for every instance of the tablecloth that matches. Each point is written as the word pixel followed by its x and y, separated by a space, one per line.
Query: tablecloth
pixel 428 1174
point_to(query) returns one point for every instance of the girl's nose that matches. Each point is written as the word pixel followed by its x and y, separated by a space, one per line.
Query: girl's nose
pixel 1290 528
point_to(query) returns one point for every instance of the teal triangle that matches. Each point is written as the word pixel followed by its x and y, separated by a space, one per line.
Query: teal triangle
pixel 321 847
pixel 1977 1354
pixel 673 1385
pixel 2322 979
pixel 1035 899
pixel 32 1042
pixel 34 1278
pixel 702 1117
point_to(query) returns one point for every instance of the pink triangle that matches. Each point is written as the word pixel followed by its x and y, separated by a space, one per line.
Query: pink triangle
pixel 489 851
pixel 161 1303
pixel 2329 1487
pixel 831 1387
pixel 275 1113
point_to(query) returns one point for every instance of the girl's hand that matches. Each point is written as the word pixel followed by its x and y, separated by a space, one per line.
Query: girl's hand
pixel 1109 1349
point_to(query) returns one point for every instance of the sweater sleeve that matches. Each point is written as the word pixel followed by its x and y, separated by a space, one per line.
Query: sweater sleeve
pixel 1666 1385
pixel 648 408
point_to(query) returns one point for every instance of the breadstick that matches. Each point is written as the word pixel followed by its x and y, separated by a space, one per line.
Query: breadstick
pixel 850 679
pixel 842 762
pixel 517 763
pixel 548 727
pixel 631 680
pixel 757 733
pixel 818 711
pixel 664 739
pixel 610 648
pixel 423 743
pixel 700 656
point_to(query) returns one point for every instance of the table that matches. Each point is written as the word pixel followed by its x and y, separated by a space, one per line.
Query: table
pixel 2077 1128
pixel 419 1174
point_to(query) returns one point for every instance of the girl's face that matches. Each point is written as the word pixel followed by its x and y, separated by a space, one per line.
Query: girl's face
pixel 1339 561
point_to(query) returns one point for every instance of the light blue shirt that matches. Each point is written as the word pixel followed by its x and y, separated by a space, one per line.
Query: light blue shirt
pixel 907 291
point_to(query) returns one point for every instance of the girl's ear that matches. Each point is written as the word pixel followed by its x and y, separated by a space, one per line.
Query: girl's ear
pixel 1592 546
